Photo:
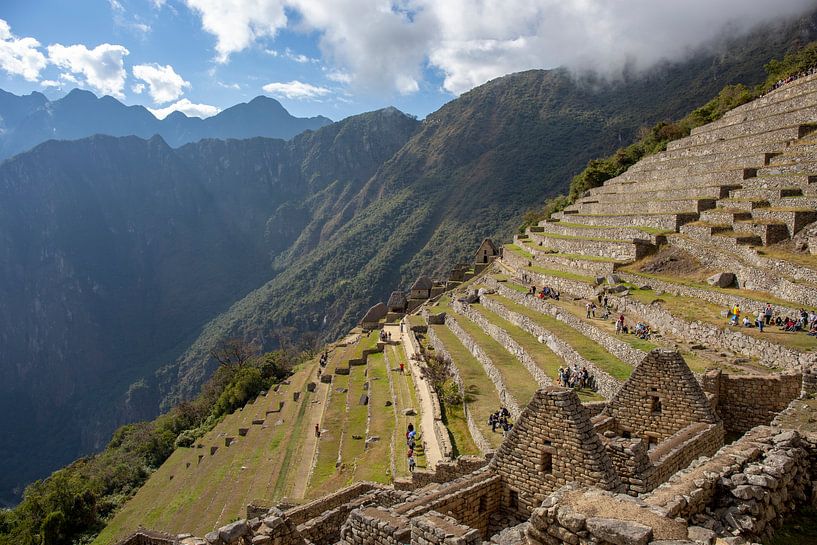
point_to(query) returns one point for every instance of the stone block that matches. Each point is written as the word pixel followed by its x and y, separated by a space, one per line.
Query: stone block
pixel 619 532
pixel 722 279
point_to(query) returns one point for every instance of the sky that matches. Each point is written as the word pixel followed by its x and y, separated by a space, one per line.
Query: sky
pixel 341 57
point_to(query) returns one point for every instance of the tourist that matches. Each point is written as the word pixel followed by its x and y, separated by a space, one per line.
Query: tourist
pixel 317 431
pixel 746 322
pixel 587 309
pixel 759 322
pixel 492 422
pixel 620 324
pixel 767 314
pixel 410 433
pixel 401 367
pixel 411 463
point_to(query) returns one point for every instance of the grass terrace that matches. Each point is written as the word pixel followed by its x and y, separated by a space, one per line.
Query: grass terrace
pixel 587 348
pixel 544 357
pixel 374 464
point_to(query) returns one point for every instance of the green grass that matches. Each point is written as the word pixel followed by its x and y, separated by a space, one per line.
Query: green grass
pixel 576 237
pixel 405 397
pixel 481 394
pixel 462 443
pixel 519 251
pixel 544 357
pixel 594 258
pixel 518 380
pixel 588 349
pixel 374 464
pixel 333 422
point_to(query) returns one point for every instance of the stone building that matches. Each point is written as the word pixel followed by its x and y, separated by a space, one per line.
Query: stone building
pixel 371 320
pixel 397 303
pixel 486 253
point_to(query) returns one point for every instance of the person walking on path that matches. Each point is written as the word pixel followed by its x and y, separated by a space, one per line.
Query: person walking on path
pixel 317 431
pixel 767 314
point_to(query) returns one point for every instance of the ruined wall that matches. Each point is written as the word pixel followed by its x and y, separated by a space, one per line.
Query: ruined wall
pixel 660 398
pixel 375 526
pixel 436 529
pixel 744 402
pixel 302 513
pixel 148 537
pixel 553 443
pixel 470 500
pixel 444 471
pixel 677 452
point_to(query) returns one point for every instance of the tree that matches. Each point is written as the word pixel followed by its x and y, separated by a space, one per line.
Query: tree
pixel 234 352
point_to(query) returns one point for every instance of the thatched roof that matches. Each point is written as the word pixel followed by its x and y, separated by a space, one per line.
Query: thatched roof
pixel 423 283
pixel 375 314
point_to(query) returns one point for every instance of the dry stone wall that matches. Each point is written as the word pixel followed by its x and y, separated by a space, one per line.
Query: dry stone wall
pixel 744 402
pixel 436 529
pixel 443 472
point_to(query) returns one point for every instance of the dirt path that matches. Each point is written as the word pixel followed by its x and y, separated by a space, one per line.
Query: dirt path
pixel 309 449
pixel 432 451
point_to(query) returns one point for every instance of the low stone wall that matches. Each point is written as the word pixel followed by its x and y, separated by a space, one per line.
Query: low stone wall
pixel 375 526
pixel 618 348
pixel 302 513
pixel 605 384
pixel 443 472
pixel 505 396
pixel 549 260
pixel 149 537
pixel 809 387
pixel 613 249
pixel 681 449
pixel 471 500
pixel 436 529
pixel 476 434
pixel 502 337
pixel 744 402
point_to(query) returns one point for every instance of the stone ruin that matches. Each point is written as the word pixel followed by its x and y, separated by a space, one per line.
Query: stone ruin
pixel 650 467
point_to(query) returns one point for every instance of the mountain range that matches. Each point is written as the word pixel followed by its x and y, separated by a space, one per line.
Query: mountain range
pixel 123 260
pixel 28 120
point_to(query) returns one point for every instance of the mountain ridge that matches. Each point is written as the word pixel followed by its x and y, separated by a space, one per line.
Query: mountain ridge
pixel 28 120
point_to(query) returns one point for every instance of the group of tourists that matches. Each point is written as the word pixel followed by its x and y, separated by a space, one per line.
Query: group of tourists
pixel 575 377
pixel 500 419
pixel 411 436
pixel 642 330
pixel 545 293
pixel 384 336
pixel 801 321
pixel 804 73
pixel 591 308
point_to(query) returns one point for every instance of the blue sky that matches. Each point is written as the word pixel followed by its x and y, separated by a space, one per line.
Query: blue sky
pixel 340 57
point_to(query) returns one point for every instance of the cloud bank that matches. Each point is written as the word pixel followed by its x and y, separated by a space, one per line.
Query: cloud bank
pixel 387 46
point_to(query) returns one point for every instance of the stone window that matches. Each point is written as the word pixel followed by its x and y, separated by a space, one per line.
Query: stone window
pixel 547 463
pixel 483 504
pixel 513 502
pixel 655 404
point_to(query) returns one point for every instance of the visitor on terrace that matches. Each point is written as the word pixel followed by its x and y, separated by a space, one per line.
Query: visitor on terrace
pixel 767 313
pixel 746 322
pixel 411 463
pixel 813 329
pixel 735 315
pixel 620 324
pixel 759 320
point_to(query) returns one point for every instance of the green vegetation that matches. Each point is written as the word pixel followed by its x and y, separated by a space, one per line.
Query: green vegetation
pixel 73 504
pixel 655 139
pixel 588 349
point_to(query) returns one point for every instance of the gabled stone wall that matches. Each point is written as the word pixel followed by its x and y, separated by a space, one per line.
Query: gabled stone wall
pixel 553 443
pixel 660 398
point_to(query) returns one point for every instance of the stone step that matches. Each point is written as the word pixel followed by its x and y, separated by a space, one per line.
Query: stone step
pixel 734 147
pixel 801 86
pixel 649 182
pixel 581 230
pixel 784 135
pixel 708 191
pixel 670 222
pixel 794 219
pixel 792 158
pixel 801 117
pixel 570 263
pixel 776 193
pixel 716 161
pixel 740 238
pixel 748 204
pixel 790 104
pixel 622 250
pixel 799 169
pixel 648 206
pixel 770 232
pixel 779 182
pixel 707 174
pixel 700 229
pixel 724 215
pixel 691 168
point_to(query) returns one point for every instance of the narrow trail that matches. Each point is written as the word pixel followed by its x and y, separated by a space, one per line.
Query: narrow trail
pixel 432 447
pixel 309 449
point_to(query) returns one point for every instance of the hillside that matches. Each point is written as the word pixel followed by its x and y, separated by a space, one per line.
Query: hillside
pixel 130 257
pixel 26 121
pixel 131 247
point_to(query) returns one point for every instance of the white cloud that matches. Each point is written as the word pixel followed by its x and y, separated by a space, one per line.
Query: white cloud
pixel 385 46
pixel 20 56
pixel 340 77
pixel 50 83
pixel 296 90
pixel 164 84
pixel 238 23
pixel 101 68
pixel 186 107
pixel 298 57
pixel 233 86
pixel 158 4
pixel 138 88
